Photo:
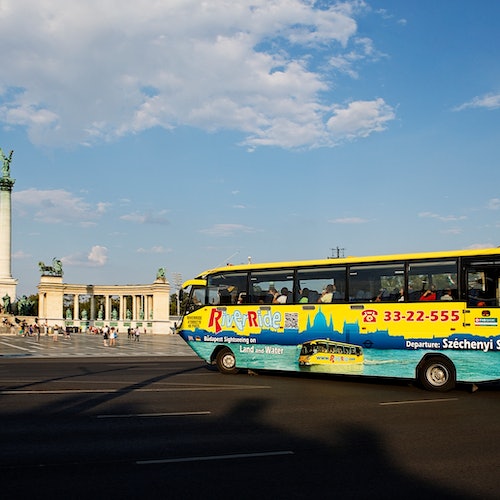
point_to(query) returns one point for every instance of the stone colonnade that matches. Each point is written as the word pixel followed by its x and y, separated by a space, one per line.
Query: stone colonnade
pixel 121 306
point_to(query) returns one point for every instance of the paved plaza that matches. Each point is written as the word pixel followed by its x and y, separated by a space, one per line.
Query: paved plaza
pixel 86 345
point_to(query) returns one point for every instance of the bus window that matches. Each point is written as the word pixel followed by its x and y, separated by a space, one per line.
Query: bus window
pixel 226 288
pixel 376 283
pixel 483 280
pixel 312 282
pixel 431 280
pixel 267 287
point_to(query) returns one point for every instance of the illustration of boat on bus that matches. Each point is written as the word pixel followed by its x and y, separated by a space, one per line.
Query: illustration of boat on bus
pixel 328 356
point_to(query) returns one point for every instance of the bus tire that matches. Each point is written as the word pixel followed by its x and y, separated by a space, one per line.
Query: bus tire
pixel 226 361
pixel 436 373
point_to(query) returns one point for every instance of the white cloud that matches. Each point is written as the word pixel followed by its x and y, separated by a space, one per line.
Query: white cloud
pixel 146 218
pixel 227 229
pixel 152 250
pixel 477 246
pixel 494 204
pixel 96 257
pixel 21 255
pixel 360 119
pixel 55 206
pixel 442 218
pixel 488 101
pixel 84 72
pixel 453 231
pixel 348 220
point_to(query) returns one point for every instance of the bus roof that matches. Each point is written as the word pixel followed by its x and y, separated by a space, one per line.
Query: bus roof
pixel 481 252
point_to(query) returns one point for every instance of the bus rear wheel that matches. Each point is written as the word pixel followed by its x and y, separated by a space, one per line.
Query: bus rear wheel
pixel 226 361
pixel 437 373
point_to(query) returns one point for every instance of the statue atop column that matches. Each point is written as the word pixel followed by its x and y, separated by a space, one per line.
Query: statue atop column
pixel 54 270
pixel 6 183
pixel 6 162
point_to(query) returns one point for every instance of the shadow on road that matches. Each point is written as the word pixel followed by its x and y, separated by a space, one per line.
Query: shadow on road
pixel 237 454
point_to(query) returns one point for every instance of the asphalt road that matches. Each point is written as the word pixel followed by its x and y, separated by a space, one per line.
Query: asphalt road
pixel 171 427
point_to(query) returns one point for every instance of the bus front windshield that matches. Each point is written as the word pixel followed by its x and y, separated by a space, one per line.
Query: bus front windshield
pixel 192 299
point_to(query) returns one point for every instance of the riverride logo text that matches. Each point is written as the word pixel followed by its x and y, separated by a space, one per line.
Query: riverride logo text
pixel 220 319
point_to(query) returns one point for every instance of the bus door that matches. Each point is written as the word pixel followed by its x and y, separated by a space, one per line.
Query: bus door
pixel 483 297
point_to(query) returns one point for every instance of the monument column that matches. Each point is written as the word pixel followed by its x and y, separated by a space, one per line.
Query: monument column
pixel 7 283
pixel 76 306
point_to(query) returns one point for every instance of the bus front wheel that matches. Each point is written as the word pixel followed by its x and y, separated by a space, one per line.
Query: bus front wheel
pixel 437 373
pixel 226 361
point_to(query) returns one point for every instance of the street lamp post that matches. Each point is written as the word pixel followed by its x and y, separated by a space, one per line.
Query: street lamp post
pixel 178 284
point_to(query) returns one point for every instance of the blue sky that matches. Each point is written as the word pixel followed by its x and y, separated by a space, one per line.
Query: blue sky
pixel 186 135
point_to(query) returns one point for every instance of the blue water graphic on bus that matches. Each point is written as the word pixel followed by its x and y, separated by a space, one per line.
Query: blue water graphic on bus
pixel 472 366
pixel 476 357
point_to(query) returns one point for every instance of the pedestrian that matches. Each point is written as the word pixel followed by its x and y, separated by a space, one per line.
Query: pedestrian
pixel 105 336
pixel 112 337
pixel 37 332
pixel 55 336
pixel 137 334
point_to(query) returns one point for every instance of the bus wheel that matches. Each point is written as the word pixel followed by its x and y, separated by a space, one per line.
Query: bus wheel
pixel 437 373
pixel 226 361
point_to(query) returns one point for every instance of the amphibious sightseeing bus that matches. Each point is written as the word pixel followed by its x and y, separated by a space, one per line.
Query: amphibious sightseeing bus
pixel 429 316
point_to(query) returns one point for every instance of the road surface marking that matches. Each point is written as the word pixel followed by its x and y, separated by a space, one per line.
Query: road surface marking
pixel 131 389
pixel 15 346
pixel 214 457
pixel 170 414
pixel 416 401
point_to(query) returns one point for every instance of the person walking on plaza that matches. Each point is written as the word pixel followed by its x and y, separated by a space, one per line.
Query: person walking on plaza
pixel 112 337
pixel 105 336
pixel 137 334
pixel 55 336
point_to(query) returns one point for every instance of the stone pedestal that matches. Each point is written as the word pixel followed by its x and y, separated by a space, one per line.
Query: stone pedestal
pixel 50 299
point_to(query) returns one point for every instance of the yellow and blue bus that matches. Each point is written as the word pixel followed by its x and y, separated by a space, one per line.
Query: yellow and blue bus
pixel 430 316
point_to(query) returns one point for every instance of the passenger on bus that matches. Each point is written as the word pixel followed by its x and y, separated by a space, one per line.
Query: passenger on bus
pixel 327 294
pixel 447 295
pixel 429 294
pixel 304 296
pixel 271 295
pixel 283 297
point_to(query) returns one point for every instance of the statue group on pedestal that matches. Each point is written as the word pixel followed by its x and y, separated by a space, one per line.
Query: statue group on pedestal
pixel 54 270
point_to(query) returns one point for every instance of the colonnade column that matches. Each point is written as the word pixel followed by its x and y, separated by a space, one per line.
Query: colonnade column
pixel 76 306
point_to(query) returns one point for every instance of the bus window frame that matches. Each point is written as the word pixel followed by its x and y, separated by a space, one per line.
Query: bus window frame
pixel 481 266
pixel 416 295
pixel 339 295
pixel 373 295
pixel 265 298
pixel 229 293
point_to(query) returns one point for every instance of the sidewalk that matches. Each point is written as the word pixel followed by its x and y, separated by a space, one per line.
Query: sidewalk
pixel 85 345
